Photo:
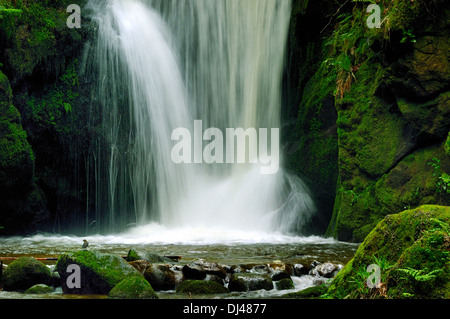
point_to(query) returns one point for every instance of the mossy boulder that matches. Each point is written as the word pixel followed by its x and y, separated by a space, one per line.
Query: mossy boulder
pixel 284 284
pixel 39 289
pixel 25 272
pixel 308 293
pixel 201 287
pixel 99 272
pixel 406 245
pixel 133 287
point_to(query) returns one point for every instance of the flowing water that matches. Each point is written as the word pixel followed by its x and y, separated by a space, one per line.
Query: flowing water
pixel 193 244
pixel 165 65
pixel 160 65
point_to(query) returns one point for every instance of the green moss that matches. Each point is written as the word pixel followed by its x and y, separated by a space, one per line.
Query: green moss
pixel 36 34
pixel 415 239
pixel 284 284
pixel 39 289
pixel 201 287
pixel 25 272
pixel 16 155
pixel 134 287
pixel 100 272
pixel 308 293
pixel 447 145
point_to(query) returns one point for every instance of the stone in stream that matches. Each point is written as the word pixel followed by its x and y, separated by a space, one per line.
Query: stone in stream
pixel 39 289
pixel 249 282
pixel 134 254
pixel 327 270
pixel 25 272
pixel 160 277
pixel 98 272
pixel 133 287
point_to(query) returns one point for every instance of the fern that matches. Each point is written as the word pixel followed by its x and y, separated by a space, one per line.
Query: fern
pixel 420 275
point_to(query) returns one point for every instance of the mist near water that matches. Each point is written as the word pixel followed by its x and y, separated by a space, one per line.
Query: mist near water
pixel 160 65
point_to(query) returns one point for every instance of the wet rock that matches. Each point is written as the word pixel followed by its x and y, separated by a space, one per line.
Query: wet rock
pixel 99 272
pixel 284 284
pixel 327 270
pixel 133 287
pixel 146 255
pixel 140 265
pixel 160 277
pixel 194 271
pixel 249 282
pixel 261 269
pixel 212 268
pixel 39 289
pixel 299 270
pixel 25 272
pixel 279 275
pixel 287 268
pixel 215 278
pixel 201 287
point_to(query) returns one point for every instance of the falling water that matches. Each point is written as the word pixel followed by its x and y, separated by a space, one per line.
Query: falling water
pixel 160 65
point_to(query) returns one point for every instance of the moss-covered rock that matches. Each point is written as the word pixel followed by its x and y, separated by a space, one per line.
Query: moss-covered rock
pixel 99 272
pixel 201 287
pixel 25 272
pixel 39 289
pixel 308 293
pixel 284 284
pixel 133 287
pixel 412 250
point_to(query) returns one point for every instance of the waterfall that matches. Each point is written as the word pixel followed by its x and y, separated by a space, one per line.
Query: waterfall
pixel 167 64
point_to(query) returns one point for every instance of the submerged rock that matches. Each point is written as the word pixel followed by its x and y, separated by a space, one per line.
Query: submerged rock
pixel 25 272
pixel 134 287
pixel 99 272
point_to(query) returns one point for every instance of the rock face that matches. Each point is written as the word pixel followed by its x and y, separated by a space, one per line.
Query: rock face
pixel 372 114
pixel 411 248
pixel 133 287
pixel 99 272
pixel 25 272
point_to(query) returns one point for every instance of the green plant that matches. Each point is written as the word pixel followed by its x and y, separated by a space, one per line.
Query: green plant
pixel 408 36
pixel 420 275
pixel 443 179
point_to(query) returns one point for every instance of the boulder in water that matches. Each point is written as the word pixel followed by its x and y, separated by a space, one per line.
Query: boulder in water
pixel 146 255
pixel 249 282
pixel 25 272
pixel 99 272
pixel 160 277
pixel 39 289
pixel 133 287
